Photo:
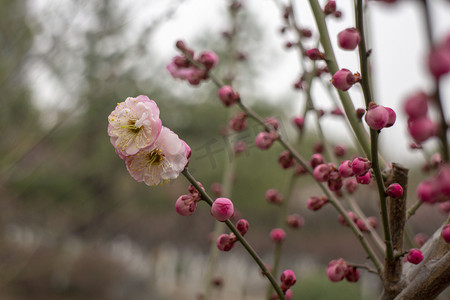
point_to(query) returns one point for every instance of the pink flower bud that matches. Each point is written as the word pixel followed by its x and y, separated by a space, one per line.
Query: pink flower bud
pixel 427 191
pixel 420 239
pixel 316 203
pixel 264 140
pixel 360 165
pixel 274 196
pixel 316 159
pixel 351 185
pixel 299 122
pixel 364 179
pixel 315 54
pixel 227 95
pixel 373 222
pixel 322 172
pixel 222 209
pixel 209 59
pixel 318 147
pixel 416 105
pixel 337 270
pixel 272 122
pixel 352 274
pixel 306 33
pixel 295 221
pixel 443 180
pixel 376 117
pixel 185 205
pixel 277 235
pixel 439 62
pixel 285 160
pixel 343 79
pixel 391 117
pixel 225 242
pixel 445 207
pixel 242 226
pixel 340 150
pixel 415 256
pixel 348 39
pixel 288 294
pixel 334 181
pixel 345 169
pixel 362 225
pixel 445 233
pixel 238 122
pixel 240 147
pixel 300 170
pixel 195 193
pixel 359 112
pixel 394 190
pixel 288 279
pixel 180 45
pixel 352 217
pixel 330 7
pixel 421 129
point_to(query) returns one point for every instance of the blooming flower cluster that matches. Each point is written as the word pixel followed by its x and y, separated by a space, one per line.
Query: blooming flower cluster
pixel 152 153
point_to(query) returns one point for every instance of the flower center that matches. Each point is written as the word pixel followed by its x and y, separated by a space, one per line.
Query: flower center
pixel 132 126
pixel 155 157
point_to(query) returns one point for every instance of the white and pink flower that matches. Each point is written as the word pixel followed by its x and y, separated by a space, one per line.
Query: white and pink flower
pixel 134 125
pixel 163 161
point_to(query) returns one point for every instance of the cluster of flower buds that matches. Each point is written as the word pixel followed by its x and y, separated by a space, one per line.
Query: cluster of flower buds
pixel 186 204
pixel 420 126
pixel 225 242
pixel 439 59
pixel 339 269
pixel 330 9
pixel 379 117
pixel 152 153
pixel 436 189
pixel 190 68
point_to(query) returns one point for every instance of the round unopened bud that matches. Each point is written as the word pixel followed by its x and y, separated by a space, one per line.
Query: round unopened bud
pixel 264 140
pixel 322 172
pixel 416 105
pixel 277 235
pixel 377 117
pixel 337 270
pixel 362 225
pixel 225 242
pixel 340 150
pixel 227 95
pixel 439 62
pixel 446 233
pixel 391 117
pixel 295 221
pixel 216 189
pixel 427 191
pixel 334 180
pixel 285 160
pixel 352 274
pixel 364 179
pixel 360 166
pixel 238 122
pixel 209 59
pixel 373 221
pixel 360 113
pixel 394 190
pixel 242 226
pixel 352 216
pixel 351 185
pixel 299 122
pixel 316 159
pixel 421 129
pixel 343 79
pixel 222 209
pixel 272 122
pixel 288 279
pixel 349 38
pixel 345 169
pixel 420 239
pixel 185 205
pixel 330 7
pixel 415 256
pixel 316 203
pixel 315 54
pixel 274 196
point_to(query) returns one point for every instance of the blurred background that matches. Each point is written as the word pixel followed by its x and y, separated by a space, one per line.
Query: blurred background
pixel 75 225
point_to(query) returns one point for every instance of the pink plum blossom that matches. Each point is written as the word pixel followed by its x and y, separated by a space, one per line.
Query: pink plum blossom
pixel 163 161
pixel 134 125
pixel 185 205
